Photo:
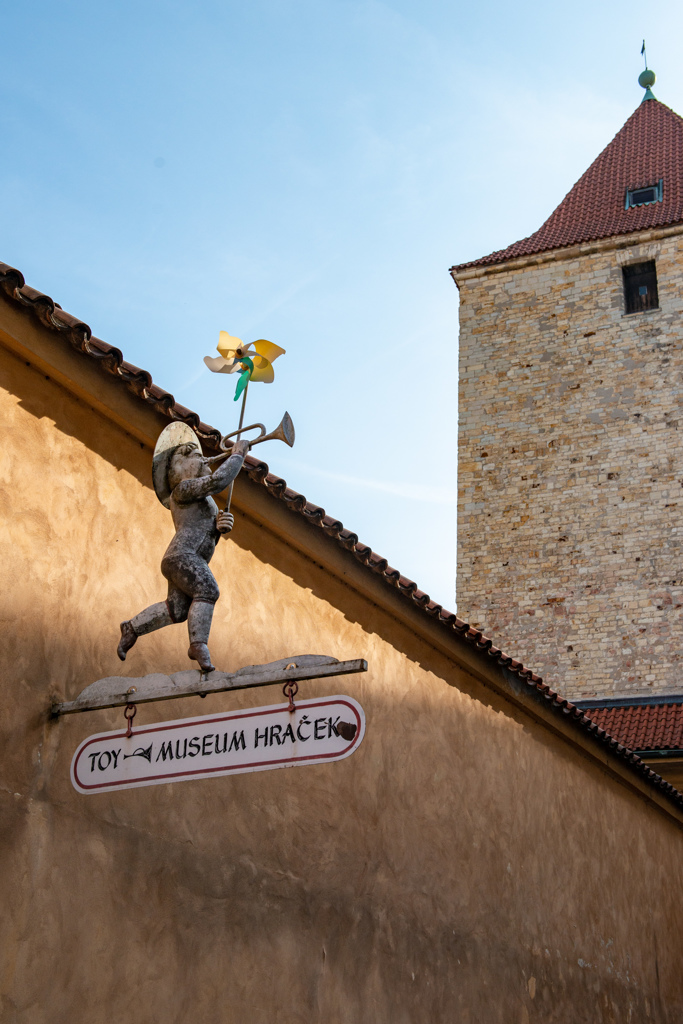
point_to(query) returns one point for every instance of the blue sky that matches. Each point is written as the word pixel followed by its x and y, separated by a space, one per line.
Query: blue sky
pixel 307 172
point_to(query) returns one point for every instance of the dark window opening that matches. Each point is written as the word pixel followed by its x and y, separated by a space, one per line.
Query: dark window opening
pixel 640 287
pixel 645 196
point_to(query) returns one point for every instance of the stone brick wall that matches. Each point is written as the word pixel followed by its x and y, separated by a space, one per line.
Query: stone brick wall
pixel 570 467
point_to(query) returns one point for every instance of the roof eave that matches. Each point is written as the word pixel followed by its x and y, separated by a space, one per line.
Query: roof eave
pixel 468 271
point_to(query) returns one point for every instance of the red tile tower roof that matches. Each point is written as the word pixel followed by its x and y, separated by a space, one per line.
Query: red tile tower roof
pixel 648 148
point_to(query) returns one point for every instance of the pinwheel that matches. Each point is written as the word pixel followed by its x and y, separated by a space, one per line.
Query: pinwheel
pixel 253 361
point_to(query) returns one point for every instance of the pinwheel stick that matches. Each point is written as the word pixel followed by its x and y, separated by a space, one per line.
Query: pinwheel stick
pixel 241 423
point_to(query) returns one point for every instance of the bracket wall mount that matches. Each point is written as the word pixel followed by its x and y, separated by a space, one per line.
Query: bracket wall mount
pixel 117 691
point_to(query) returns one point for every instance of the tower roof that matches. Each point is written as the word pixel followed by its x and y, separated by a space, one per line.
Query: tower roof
pixel 647 150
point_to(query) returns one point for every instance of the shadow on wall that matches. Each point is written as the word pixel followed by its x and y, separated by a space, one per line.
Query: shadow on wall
pixel 44 398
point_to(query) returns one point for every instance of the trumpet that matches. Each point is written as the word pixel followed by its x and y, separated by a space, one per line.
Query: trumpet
pixel 284 431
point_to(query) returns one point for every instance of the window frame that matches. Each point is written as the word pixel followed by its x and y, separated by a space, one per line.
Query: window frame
pixel 630 192
pixel 631 272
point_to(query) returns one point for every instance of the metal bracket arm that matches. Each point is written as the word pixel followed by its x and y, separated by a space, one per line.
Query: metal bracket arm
pixel 116 691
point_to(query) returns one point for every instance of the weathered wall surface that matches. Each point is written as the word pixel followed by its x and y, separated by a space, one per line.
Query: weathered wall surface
pixel 465 864
pixel 571 470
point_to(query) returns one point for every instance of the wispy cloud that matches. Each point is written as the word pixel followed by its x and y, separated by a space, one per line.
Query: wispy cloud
pixel 416 492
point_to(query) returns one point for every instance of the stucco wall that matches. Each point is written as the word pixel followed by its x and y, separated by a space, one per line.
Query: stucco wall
pixel 570 470
pixel 465 864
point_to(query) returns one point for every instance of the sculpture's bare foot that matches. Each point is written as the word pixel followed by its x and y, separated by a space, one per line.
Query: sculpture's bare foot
pixel 128 639
pixel 200 653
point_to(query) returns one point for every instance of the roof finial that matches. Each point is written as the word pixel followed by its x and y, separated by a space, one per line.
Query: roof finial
pixel 646 78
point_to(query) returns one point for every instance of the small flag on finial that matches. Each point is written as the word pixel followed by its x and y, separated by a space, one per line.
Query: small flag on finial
pixel 643 53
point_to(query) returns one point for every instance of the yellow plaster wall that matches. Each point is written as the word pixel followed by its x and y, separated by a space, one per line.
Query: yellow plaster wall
pixel 465 864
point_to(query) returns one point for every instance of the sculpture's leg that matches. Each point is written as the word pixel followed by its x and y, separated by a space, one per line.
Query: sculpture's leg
pixel 191 577
pixel 199 626
pixel 154 617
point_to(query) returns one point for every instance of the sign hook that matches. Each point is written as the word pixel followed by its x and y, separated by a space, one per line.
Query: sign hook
pixel 290 690
pixel 129 713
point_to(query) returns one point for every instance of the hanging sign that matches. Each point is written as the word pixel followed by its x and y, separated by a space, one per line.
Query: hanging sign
pixel 253 740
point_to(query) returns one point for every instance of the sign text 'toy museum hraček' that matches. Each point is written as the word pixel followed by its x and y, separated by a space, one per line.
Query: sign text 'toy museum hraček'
pixel 256 739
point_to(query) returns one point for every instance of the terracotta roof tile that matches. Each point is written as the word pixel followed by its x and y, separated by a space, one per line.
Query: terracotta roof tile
pixel 647 148
pixel 642 726
pixel 78 335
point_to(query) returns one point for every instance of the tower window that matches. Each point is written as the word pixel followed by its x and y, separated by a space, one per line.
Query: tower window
pixel 645 196
pixel 640 287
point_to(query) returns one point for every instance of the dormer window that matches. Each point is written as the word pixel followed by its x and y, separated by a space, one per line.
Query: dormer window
pixel 645 196
pixel 640 287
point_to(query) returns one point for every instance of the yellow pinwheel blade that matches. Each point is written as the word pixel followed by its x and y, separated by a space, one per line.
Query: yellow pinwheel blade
pixel 268 349
pixel 263 372
pixel 228 345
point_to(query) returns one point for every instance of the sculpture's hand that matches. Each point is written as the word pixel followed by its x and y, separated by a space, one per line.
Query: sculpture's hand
pixel 225 522
pixel 240 448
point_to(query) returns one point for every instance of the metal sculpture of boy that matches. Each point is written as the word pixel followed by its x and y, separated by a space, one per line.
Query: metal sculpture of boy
pixel 184 482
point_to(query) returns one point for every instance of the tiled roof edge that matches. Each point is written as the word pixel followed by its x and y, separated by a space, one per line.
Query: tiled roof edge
pixel 503 258
pixel 650 700
pixel 140 383
pixel 80 337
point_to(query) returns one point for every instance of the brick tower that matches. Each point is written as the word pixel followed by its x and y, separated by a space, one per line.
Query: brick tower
pixel 570 504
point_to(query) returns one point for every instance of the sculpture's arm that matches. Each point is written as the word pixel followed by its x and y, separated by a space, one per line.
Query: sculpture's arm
pixel 189 491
